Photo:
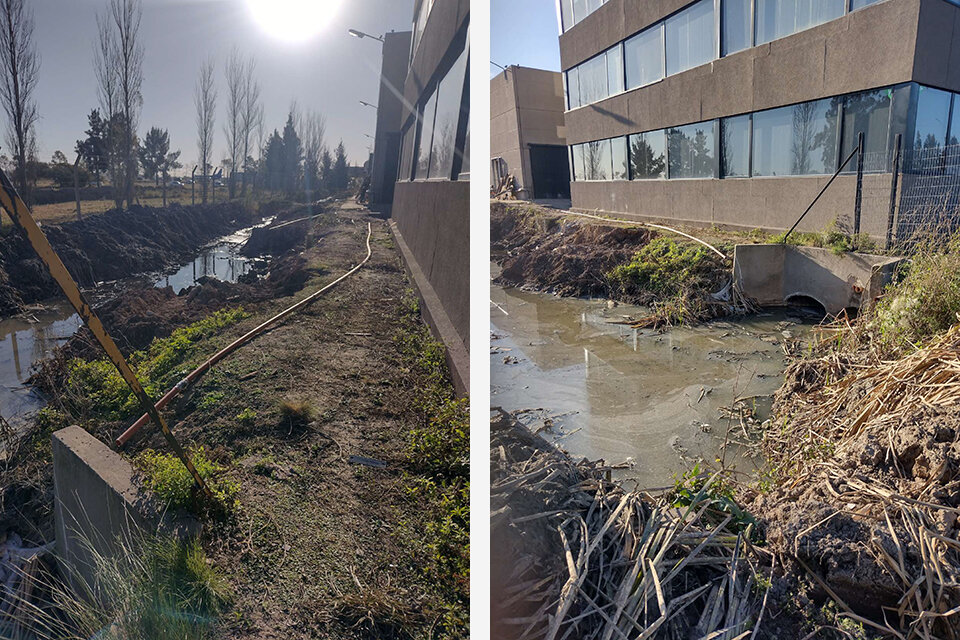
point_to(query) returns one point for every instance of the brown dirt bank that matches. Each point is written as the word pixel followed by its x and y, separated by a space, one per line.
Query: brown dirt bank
pixel 543 250
pixel 111 246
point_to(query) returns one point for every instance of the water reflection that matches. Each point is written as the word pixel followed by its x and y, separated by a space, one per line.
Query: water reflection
pixel 221 261
pixel 603 390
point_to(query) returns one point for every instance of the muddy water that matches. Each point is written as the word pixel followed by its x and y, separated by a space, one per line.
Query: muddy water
pixel 603 390
pixel 33 335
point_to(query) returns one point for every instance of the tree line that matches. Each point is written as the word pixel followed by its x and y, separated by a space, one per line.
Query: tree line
pixel 296 161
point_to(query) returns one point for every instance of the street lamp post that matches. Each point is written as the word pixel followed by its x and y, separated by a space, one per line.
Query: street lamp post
pixel 367 104
pixel 360 34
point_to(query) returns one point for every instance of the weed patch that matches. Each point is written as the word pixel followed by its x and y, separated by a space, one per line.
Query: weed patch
pixel 166 475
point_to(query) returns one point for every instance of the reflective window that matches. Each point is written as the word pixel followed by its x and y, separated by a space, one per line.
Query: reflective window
pixel 593 80
pixel 796 140
pixel 449 108
pixel 621 165
pixel 933 111
pixel 465 167
pixel 406 153
pixel 857 4
pixel 690 151
pixel 566 14
pixel 736 33
pixel 573 89
pixel 597 164
pixel 955 122
pixel 579 10
pixel 578 169
pixel 648 155
pixel 779 18
pixel 644 57
pixel 425 142
pixel 690 37
pixel 867 112
pixel 735 147
pixel 614 70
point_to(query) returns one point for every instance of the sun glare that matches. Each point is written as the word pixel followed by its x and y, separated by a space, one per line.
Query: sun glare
pixel 293 20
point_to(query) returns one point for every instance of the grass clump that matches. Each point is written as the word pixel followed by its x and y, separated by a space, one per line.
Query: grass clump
pixel 247 417
pixel 95 390
pixel 296 413
pixel 664 267
pixel 832 237
pixel 152 588
pixel 166 475
pixel 696 487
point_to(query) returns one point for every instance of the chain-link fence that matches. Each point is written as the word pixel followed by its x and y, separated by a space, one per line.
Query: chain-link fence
pixel 929 198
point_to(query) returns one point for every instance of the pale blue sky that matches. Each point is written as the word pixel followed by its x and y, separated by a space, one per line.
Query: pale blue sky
pixel 329 73
pixel 524 32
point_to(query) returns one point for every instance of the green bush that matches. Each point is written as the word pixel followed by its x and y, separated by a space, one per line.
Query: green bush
pixel 664 267
pixel 247 417
pixel 166 475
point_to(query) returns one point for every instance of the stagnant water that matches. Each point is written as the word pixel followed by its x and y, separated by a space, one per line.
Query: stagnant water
pixel 33 335
pixel 604 390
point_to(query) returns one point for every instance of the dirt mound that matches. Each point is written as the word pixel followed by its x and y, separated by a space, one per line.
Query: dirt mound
pixel 565 257
pixel 869 495
pixel 110 246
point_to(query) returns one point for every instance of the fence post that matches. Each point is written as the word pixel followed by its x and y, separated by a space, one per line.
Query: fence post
pixel 76 186
pixel 859 201
pixel 893 190
pixel 193 185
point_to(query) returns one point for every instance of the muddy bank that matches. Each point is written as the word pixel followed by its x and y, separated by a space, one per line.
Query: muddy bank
pixel 539 249
pixel 111 246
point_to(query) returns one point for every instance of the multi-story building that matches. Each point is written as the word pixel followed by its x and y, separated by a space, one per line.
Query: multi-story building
pixel 527 136
pixel 737 112
pixel 386 145
pixel 431 201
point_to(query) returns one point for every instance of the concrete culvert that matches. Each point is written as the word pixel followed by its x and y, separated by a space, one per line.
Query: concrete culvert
pixel 807 304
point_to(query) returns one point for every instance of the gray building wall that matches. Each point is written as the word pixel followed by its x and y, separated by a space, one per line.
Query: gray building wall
pixel 884 44
pixel 432 217
pixel 386 149
pixel 526 107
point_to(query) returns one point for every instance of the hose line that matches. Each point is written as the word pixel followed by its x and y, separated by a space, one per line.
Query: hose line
pixel 197 373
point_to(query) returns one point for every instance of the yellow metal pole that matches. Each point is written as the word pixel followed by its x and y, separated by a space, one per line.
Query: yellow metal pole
pixel 10 200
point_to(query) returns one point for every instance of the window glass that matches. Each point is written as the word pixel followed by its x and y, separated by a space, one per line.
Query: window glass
pixel 857 4
pixel 465 167
pixel 406 153
pixel 597 164
pixel 955 122
pixel 735 147
pixel 593 5
pixel 566 14
pixel 621 166
pixel 690 37
pixel 426 137
pixel 933 111
pixel 735 25
pixel 779 18
pixel 593 80
pixel 690 151
pixel 573 89
pixel 648 155
pixel 772 132
pixel 579 10
pixel 578 168
pixel 644 57
pixel 449 106
pixel 614 70
pixel 868 112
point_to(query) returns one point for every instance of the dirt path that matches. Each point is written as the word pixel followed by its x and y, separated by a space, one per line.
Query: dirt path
pixel 323 547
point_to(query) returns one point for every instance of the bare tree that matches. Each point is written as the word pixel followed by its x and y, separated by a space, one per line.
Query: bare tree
pixel 205 99
pixel 236 99
pixel 21 67
pixel 313 127
pixel 252 115
pixel 119 68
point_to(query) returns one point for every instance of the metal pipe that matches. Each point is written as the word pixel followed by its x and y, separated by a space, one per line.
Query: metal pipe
pixel 825 187
pixel 197 373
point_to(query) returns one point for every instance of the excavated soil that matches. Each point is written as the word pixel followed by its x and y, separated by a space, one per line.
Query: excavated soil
pixel 560 256
pixel 111 246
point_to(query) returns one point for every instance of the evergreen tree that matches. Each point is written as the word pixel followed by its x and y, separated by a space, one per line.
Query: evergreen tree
pixel 340 178
pixel 153 153
pixel 273 160
pixel 93 149
pixel 292 155
pixel 326 169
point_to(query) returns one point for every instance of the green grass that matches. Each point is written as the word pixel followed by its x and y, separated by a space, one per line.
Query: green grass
pixel 95 390
pixel 831 237
pixel 664 267
pixel 438 457
pixel 167 476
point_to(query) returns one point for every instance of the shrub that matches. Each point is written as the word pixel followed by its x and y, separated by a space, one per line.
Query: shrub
pixel 663 267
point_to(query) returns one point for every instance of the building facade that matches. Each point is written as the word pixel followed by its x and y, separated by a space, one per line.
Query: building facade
pixel 431 202
pixel 386 144
pixel 738 112
pixel 528 139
